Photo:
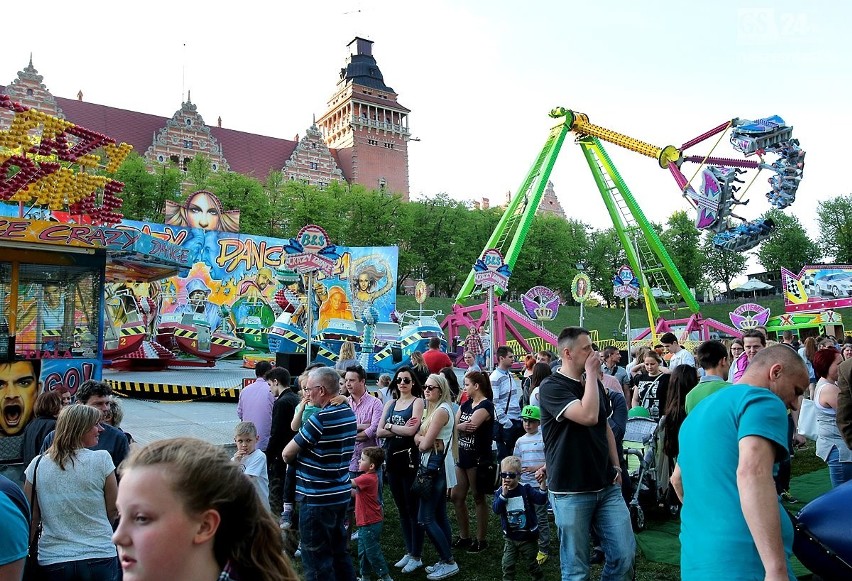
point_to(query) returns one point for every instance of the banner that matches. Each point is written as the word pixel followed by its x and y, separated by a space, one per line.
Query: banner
pixel 817 287
pixel 240 276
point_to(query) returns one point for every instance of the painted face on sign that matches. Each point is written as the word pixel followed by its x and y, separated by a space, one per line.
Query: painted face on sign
pixel 18 392
pixel 203 211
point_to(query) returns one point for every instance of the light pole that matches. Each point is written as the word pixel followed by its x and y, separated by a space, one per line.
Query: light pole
pixel 581 266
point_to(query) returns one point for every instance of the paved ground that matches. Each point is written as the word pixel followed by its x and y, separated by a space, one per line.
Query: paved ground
pixel 148 421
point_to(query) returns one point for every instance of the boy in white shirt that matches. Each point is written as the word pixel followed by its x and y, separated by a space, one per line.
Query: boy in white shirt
pixel 530 449
pixel 252 459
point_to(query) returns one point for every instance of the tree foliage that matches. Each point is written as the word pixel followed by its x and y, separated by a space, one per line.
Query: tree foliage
pixel 681 240
pixel 789 246
pixel 145 192
pixel 721 266
pixel 835 228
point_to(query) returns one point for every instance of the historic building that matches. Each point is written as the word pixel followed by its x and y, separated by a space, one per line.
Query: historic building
pixel 362 138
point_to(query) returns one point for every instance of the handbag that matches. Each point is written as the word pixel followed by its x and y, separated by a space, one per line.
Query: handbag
pixel 31 568
pixel 807 426
pixel 424 482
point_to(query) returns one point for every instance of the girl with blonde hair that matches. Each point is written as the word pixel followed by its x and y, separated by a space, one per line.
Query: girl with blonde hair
pixel 189 513
pixel 75 490
pixel 436 437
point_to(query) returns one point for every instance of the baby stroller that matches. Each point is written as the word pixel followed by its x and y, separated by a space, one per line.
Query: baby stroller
pixel 640 452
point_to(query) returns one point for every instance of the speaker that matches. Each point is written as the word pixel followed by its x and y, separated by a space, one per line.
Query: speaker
pixel 396 354
pixel 295 363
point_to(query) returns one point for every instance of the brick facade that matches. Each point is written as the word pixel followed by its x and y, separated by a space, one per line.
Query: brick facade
pixel 367 126
pixel 361 139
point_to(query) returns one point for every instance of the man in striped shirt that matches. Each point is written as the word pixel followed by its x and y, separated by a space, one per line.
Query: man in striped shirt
pixel 321 451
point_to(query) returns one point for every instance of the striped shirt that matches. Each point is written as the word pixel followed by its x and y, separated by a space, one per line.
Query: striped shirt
pixel 530 449
pixel 326 442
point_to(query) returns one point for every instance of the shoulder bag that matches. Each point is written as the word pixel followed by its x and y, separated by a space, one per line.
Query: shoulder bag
pixel 31 568
pixel 808 420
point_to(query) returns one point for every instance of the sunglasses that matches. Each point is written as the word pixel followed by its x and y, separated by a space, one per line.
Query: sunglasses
pixel 510 475
pixel 431 387
pixel 405 380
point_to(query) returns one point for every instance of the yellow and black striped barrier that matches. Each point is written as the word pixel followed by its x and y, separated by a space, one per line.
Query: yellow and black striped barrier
pixel 168 391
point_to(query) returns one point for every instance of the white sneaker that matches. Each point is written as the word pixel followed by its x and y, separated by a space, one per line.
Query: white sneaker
pixel 443 570
pixel 402 562
pixel 431 568
pixel 354 536
pixel 412 565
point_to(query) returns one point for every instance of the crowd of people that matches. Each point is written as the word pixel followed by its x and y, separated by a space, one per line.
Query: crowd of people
pixel 537 445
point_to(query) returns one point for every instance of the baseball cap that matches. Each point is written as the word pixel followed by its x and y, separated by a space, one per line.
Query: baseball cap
pixel 638 412
pixel 531 412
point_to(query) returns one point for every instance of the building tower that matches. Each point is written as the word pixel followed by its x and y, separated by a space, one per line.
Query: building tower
pixel 366 125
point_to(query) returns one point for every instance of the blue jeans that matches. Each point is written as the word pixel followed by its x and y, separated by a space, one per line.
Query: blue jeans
pixel 370 557
pixel 432 517
pixel 325 546
pixel 84 570
pixel 839 472
pixel 607 513
pixel 408 506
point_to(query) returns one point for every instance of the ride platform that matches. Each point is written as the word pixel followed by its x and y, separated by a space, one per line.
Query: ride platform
pixel 220 383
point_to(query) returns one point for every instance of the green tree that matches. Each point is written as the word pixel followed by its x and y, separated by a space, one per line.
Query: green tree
pixel 788 246
pixel 681 239
pixel 199 173
pixel 721 266
pixel 835 228
pixel 550 254
pixel 244 193
pixel 605 255
pixel 146 191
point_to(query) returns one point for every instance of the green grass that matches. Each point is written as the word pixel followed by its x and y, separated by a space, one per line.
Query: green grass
pixel 486 566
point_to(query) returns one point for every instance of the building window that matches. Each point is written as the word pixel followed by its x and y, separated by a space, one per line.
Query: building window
pixel 382 184
pixel 313 145
pixel 322 185
pixel 188 122
pixel 388 145
pixel 215 166
pixel 372 142
pixel 174 159
pixel 161 158
pixel 292 178
pixel 313 165
pixel 186 161
pixel 187 144
pixel 29 92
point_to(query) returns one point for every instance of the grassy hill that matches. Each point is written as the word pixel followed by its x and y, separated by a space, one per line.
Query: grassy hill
pixel 609 322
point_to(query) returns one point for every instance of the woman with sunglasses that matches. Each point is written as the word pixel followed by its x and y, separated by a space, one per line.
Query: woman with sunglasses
pixel 436 437
pixel 475 428
pixel 737 348
pixel 400 422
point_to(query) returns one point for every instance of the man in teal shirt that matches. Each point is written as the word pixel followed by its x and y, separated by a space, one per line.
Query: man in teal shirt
pixel 732 524
pixel 712 356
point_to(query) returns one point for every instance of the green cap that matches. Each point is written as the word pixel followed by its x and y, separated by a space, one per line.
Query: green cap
pixel 638 412
pixel 531 412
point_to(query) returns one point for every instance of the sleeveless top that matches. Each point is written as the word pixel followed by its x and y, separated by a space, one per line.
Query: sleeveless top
pixel 828 436
pixel 400 418
pixel 446 435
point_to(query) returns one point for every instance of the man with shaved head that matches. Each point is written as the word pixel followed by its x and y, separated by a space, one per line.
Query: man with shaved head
pixel 732 519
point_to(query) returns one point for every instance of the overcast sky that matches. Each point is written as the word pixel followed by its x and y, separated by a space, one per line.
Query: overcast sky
pixel 479 77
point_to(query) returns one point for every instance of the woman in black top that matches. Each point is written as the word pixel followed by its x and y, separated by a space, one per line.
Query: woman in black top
pixel 651 386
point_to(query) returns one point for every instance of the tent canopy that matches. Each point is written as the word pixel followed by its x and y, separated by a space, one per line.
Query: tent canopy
pixel 752 284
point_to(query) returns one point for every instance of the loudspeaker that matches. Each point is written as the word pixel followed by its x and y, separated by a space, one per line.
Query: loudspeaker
pixel 396 354
pixel 295 363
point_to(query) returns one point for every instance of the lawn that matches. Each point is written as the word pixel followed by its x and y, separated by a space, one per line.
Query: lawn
pixel 485 566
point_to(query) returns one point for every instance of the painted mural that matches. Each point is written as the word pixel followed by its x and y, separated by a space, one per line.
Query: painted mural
pixel 817 287
pixel 239 281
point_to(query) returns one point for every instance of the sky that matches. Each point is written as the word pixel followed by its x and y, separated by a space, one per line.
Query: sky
pixel 479 78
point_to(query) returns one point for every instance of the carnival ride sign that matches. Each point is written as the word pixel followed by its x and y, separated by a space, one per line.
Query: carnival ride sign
pixel 581 287
pixel 817 287
pixel 421 291
pixel 749 316
pixel 50 162
pixel 625 284
pixel 540 303
pixel 491 271
pixel 310 251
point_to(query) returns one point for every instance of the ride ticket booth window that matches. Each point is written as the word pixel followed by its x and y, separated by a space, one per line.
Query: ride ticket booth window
pixel 57 312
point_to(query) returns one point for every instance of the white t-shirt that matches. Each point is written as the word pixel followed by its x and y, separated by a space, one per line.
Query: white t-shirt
pixel 74 519
pixel 682 357
pixel 530 449
pixel 254 465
